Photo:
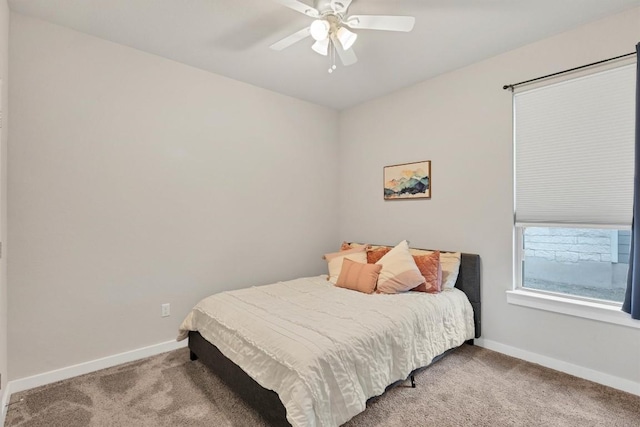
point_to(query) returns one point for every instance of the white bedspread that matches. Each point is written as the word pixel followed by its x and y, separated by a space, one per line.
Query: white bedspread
pixel 326 350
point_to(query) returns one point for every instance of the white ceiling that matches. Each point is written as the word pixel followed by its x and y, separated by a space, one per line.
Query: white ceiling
pixel 232 37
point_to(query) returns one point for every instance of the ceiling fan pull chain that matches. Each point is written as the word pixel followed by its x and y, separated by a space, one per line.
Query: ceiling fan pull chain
pixel 332 57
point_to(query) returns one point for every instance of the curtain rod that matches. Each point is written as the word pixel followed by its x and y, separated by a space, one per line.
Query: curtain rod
pixel 514 85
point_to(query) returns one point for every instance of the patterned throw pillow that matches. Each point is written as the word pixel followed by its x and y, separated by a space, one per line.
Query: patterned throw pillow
pixel 399 271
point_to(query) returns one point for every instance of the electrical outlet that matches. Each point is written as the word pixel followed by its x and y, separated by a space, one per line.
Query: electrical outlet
pixel 166 310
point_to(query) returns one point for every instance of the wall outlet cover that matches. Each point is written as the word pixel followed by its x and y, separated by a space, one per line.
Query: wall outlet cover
pixel 166 310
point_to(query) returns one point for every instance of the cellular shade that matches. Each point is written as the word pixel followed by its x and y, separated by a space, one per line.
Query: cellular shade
pixel 574 150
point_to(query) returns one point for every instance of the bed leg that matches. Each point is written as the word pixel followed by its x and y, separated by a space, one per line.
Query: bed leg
pixel 413 381
pixel 192 356
pixel 470 342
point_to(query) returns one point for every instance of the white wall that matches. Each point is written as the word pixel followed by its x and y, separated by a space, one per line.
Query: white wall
pixel 136 181
pixel 114 155
pixel 4 107
pixel 462 122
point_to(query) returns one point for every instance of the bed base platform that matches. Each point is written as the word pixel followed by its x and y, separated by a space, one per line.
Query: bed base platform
pixel 267 403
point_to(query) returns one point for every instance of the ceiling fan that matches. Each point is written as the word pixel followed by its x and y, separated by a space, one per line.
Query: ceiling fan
pixel 329 28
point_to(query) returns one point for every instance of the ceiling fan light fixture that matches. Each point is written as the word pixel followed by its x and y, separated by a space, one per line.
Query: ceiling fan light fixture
pixel 347 38
pixel 319 29
pixel 331 27
pixel 321 47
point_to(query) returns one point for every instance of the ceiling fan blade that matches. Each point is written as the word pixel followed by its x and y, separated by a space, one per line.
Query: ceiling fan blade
pixel 298 6
pixel 292 39
pixel 348 57
pixel 381 22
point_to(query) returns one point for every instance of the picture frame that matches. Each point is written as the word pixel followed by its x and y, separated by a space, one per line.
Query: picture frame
pixel 407 181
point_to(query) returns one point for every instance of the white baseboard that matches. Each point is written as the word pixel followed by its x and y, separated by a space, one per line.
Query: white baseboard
pixel 90 366
pixel 6 395
pixel 559 365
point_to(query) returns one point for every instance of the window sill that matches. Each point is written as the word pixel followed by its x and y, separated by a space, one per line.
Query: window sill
pixel 585 309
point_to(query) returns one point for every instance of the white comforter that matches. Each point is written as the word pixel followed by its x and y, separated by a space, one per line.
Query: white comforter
pixel 326 350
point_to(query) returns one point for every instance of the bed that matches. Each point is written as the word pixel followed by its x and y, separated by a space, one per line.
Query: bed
pixel 325 350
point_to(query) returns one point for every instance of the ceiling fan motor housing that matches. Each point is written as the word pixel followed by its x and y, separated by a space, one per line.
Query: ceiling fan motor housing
pixel 332 7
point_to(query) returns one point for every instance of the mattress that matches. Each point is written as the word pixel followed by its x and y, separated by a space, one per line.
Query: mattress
pixel 326 350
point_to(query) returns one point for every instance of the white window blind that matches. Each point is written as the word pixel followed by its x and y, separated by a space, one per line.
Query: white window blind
pixel 574 150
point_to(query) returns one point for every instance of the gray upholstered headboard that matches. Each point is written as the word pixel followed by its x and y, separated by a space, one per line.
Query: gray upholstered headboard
pixel 469 283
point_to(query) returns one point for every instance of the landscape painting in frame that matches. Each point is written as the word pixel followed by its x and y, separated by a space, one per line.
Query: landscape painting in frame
pixel 408 181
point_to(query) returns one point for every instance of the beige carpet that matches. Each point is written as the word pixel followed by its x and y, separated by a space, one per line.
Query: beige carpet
pixel 470 387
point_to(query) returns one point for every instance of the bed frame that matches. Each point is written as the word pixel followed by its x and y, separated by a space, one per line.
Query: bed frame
pixel 267 402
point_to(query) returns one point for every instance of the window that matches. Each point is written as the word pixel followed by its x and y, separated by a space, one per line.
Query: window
pixel 582 262
pixel 574 153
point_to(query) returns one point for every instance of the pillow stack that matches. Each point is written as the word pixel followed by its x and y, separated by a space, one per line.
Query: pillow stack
pixel 367 268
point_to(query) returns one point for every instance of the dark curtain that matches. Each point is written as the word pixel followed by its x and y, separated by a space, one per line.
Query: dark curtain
pixel 632 297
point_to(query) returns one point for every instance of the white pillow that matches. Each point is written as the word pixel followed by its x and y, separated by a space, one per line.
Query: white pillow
pixel 450 263
pixel 334 260
pixel 399 270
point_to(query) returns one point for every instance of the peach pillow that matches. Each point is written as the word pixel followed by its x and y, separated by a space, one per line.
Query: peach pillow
pixel 374 255
pixel 399 271
pixel 334 260
pixel 358 276
pixel 346 246
pixel 431 270
pixel 450 264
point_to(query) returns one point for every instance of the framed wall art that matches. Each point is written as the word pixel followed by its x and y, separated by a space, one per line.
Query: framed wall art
pixel 407 181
